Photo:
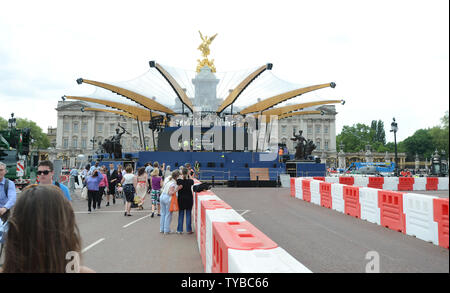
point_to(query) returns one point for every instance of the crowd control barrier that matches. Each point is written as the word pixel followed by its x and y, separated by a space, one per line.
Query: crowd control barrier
pixel 432 183
pixel 347 180
pixel 315 191
pixel 306 186
pixel 239 247
pixel 418 210
pixel 229 243
pixel 420 184
pixel 405 183
pixel 337 197
pixel 376 182
pixel 319 178
pixel 440 209
pixel 325 195
pixel 390 183
pixel 292 186
pixel 368 199
pixel 215 211
pixel 351 200
pixel 422 216
pixel 298 188
pixel 391 210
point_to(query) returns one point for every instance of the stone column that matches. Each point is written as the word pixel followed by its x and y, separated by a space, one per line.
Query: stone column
pixel 205 83
pixel 417 162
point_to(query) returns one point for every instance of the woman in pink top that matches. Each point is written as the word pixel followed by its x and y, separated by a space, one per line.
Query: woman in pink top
pixel 156 191
pixel 102 186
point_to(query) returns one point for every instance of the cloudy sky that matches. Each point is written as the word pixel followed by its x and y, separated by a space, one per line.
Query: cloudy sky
pixel 388 58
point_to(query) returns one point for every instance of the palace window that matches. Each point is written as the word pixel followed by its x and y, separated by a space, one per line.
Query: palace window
pixel 83 143
pixel 309 129
pixel 283 129
pixel 99 127
pixel 318 129
pixel 325 129
pixel 84 127
pixel 75 127
pixel 75 142
pixel 66 126
pixel 65 143
pixel 326 145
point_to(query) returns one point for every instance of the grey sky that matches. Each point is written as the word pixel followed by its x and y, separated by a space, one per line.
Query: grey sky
pixel 388 58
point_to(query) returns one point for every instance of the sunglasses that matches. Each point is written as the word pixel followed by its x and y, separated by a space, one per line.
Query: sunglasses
pixel 45 172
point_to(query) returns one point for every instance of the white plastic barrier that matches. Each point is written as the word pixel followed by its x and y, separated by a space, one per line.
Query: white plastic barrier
pixel 332 179
pixel 443 183
pixel 217 215
pixel 275 260
pixel 420 183
pixel 315 191
pixel 418 210
pixel 368 199
pixel 198 214
pixel 337 197
pixel 298 188
pixel 390 183
pixel 361 181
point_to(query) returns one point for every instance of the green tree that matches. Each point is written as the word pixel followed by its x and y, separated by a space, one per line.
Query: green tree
pixel 421 142
pixel 355 138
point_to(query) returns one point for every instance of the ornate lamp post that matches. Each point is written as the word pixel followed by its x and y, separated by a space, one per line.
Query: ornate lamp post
pixel 93 140
pixel 12 121
pixel 394 129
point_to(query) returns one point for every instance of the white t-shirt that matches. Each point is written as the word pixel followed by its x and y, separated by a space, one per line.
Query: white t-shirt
pixel 128 178
pixel 168 185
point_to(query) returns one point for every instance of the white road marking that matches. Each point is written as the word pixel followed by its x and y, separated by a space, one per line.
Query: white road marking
pixel 246 211
pixel 102 212
pixel 135 221
pixel 92 245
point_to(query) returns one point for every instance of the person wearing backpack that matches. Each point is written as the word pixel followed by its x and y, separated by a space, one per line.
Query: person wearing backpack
pixel 7 193
pixel 45 176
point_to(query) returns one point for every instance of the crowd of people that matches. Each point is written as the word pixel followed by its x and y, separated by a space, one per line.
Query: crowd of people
pixel 44 210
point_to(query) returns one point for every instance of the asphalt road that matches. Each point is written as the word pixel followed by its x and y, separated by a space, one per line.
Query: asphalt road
pixel 327 241
pixel 113 243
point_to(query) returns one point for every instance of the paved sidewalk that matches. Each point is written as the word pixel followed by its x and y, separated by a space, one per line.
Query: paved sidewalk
pixel 114 243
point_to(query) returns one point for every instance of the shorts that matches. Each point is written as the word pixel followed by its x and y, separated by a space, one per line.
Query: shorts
pixel 155 196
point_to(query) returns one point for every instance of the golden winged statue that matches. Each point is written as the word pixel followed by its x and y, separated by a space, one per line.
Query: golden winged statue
pixel 204 48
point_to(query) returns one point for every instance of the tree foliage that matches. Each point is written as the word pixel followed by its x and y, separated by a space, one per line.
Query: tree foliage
pixel 423 142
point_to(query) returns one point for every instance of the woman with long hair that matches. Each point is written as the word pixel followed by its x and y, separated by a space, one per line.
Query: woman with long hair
pixel 185 201
pixel 141 188
pixel 43 236
pixel 129 187
pixel 169 190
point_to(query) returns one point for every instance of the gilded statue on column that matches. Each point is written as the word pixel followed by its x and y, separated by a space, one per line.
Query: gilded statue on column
pixel 204 48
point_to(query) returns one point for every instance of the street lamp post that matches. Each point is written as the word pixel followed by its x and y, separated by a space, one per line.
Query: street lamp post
pixel 394 129
pixel 93 140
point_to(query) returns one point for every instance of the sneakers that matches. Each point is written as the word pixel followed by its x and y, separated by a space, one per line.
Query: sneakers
pixel 107 204
pixel 159 215
pixel 153 214
pixel 179 232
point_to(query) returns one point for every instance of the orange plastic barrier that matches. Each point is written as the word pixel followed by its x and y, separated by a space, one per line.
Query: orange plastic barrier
pixel 432 183
pixel 235 235
pixel 347 180
pixel 306 188
pixel 440 208
pixel 208 205
pixel 352 206
pixel 405 183
pixel 376 182
pixel 325 195
pixel 391 210
pixel 319 178
pixel 293 186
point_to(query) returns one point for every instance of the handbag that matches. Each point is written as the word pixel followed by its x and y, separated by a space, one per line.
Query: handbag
pixel 174 204
pixel 84 193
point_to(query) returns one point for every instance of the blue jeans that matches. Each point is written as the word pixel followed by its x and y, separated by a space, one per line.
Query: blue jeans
pixel 188 220
pixel 166 215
